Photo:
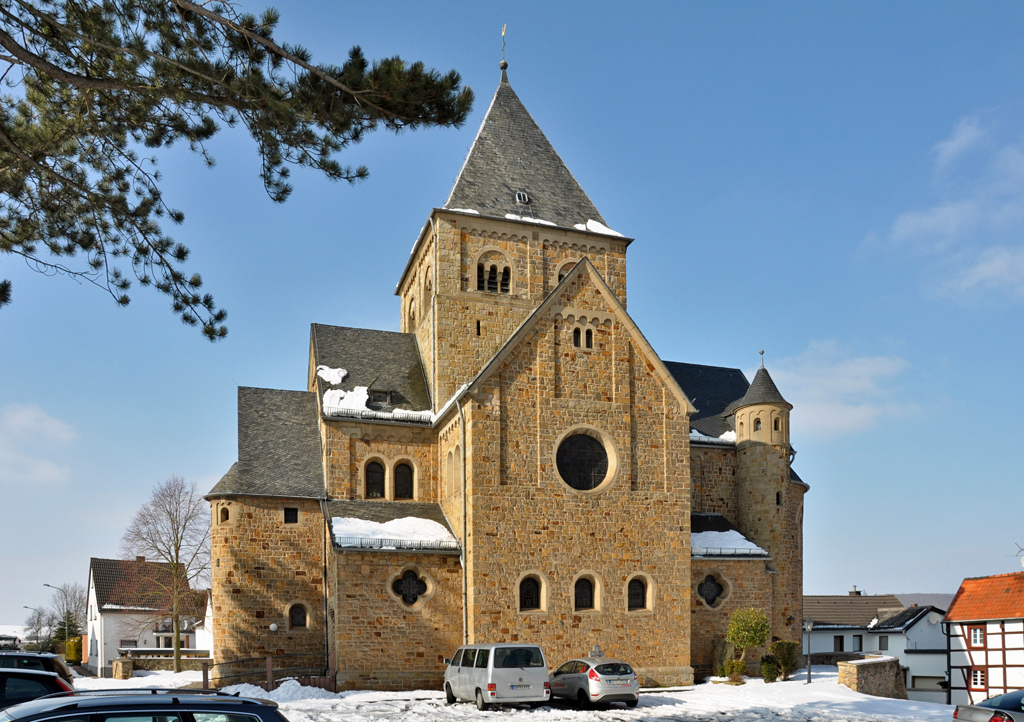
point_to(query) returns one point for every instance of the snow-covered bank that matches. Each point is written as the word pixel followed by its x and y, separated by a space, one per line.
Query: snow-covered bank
pixel 140 679
pixel 824 700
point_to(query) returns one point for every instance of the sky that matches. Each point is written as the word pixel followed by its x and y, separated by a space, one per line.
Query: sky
pixel 838 184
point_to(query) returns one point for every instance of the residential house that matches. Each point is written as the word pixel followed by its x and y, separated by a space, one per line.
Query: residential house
pixel 985 638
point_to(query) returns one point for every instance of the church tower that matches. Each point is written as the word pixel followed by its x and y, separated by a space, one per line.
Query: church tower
pixel 515 222
pixel 770 505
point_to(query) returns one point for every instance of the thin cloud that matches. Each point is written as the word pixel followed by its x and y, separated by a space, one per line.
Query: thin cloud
pixel 995 268
pixel 29 438
pixel 835 393
pixel 965 136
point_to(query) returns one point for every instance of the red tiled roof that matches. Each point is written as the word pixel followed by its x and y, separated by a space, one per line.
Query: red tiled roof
pixel 997 597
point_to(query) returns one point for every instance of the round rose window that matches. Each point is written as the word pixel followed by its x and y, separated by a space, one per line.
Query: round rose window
pixel 582 462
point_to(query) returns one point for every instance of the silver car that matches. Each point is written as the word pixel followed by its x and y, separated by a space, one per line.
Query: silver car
pixel 596 680
pixel 1007 707
pixel 497 674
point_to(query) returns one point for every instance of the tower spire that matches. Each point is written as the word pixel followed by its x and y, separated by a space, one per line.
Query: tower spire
pixel 503 64
pixel 762 358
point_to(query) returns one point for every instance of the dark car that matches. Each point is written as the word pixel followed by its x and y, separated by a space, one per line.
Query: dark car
pixel 144 705
pixel 1007 707
pixel 36 660
pixel 25 685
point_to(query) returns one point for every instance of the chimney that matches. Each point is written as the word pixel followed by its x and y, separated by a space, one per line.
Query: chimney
pixel 913 605
pixel 140 559
pixel 855 592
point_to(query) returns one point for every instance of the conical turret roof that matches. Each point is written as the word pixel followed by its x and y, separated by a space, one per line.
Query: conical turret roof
pixel 511 154
pixel 762 391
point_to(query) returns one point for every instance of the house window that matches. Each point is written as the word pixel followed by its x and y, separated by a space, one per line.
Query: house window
pixel 757 424
pixel 582 462
pixel 858 643
pixel 403 481
pixel 977 678
pixel 883 643
pixel 590 338
pixel 374 481
pixel 576 337
pixel 129 643
pixel 583 594
pixel 837 643
pixel 529 595
pixel 977 636
pixel 224 515
pixel 637 592
pixel 297 617
pixel 291 515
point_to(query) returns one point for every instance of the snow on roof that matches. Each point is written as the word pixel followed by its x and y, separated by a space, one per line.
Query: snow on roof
pixel 723 544
pixel 406 532
pixel 596 227
pixel 331 376
pixel 726 439
pixel 463 210
pixel 528 219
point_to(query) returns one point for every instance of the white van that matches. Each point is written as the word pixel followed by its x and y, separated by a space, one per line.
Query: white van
pixel 497 674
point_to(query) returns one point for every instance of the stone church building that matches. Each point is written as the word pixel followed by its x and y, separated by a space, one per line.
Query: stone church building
pixel 594 493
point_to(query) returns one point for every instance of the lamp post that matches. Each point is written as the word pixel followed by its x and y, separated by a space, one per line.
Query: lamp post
pixel 64 604
pixel 37 632
pixel 809 626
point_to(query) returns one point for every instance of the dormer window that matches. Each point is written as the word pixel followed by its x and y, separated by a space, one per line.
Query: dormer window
pixel 380 397
pixel 522 198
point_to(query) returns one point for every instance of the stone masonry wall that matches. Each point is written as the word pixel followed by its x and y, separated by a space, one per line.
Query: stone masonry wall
pixel 382 643
pixel 714 481
pixel 260 568
pixel 349 446
pixel 747 585
pixel 877 676
pixel 525 520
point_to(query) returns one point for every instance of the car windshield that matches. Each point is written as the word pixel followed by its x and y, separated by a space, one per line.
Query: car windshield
pixel 505 657
pixel 1012 701
pixel 615 668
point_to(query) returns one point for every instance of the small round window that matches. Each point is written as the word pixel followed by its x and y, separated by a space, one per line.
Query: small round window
pixel 582 462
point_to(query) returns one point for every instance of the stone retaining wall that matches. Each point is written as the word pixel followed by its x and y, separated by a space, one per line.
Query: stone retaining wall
pixel 877 676
pixel 188 664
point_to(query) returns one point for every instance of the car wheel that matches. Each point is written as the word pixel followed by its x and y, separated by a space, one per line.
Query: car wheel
pixel 584 699
pixel 480 704
pixel 448 696
pixel 632 703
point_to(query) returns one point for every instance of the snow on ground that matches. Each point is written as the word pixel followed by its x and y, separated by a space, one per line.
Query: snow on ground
pixel 408 528
pixel 140 679
pixel 824 700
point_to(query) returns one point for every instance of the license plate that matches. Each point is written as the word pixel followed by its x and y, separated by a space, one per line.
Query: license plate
pixel 520 686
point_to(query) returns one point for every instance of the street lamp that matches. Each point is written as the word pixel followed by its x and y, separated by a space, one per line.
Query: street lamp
pixel 808 626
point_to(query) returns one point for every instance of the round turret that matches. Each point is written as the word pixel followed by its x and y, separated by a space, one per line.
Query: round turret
pixel 762 415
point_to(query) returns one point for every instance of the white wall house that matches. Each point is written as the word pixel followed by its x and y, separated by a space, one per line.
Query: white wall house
pixel 124 611
pixel 985 636
pixel 856 623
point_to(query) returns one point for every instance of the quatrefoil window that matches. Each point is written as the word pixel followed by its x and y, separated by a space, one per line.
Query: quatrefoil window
pixel 409 587
pixel 710 590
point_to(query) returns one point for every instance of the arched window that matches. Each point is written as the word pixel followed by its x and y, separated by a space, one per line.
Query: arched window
pixel 637 594
pixel 561 275
pixel 776 424
pixel 297 617
pixel 590 338
pixel 450 473
pixel 224 515
pixel 529 594
pixel 757 424
pixel 506 279
pixel 374 481
pixel 492 280
pixel 412 317
pixel 403 481
pixel 583 594
pixel 576 337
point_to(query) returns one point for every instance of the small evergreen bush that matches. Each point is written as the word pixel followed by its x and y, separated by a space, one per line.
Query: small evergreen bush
pixel 785 653
pixel 735 669
pixel 73 650
pixel 769 668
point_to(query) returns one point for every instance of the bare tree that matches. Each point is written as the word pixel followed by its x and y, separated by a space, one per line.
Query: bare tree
pixel 173 529
pixel 68 605
pixel 40 628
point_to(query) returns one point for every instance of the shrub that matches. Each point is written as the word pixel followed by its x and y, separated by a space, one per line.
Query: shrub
pixel 734 670
pixel 748 628
pixel 769 668
pixel 73 650
pixel 785 653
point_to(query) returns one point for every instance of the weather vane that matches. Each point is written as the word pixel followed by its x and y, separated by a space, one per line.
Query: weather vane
pixel 762 358
pixel 503 40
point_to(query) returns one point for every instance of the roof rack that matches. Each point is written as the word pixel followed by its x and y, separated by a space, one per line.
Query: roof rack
pixel 143 691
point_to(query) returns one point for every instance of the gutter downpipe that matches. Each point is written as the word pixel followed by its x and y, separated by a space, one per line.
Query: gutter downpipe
pixel 327 638
pixel 433 315
pixel 465 571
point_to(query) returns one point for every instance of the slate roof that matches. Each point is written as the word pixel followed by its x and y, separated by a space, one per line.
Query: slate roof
pixel 980 598
pixel 278 446
pixel 388 360
pixel 510 154
pixel 847 610
pixel 711 389
pixel 130 586
pixel 904 619
pixel 762 391
pixel 709 522
pixel 385 511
